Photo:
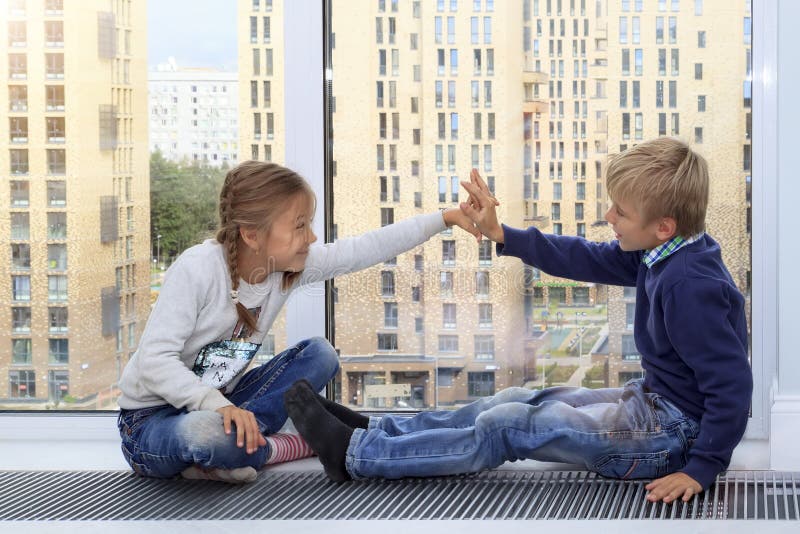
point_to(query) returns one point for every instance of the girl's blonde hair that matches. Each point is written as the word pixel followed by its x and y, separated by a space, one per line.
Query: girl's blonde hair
pixel 662 177
pixel 253 195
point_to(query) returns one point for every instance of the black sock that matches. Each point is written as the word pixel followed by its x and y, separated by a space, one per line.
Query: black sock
pixel 345 415
pixel 328 436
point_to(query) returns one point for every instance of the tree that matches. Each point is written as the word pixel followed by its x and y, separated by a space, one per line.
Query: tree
pixel 183 203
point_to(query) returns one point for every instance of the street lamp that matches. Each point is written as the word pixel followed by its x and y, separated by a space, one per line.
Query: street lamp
pixel 158 251
pixel 581 331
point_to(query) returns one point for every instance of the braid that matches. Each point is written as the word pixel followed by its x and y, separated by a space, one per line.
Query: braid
pixel 228 236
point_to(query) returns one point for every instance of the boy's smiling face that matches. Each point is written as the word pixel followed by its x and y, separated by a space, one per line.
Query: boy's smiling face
pixel 630 230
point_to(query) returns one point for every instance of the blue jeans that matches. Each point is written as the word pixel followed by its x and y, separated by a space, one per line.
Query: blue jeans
pixel 162 441
pixel 621 433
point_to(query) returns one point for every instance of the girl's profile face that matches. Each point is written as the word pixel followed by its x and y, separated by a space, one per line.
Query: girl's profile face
pixel 286 243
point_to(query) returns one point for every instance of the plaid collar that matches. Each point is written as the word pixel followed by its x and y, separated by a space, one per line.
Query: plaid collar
pixel 664 251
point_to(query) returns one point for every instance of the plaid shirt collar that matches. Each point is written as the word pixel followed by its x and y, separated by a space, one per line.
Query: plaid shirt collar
pixel 669 248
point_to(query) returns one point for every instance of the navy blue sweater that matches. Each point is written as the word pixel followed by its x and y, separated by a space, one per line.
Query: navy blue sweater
pixel 690 329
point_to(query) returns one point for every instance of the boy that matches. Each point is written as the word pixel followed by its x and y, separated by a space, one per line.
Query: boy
pixel 678 425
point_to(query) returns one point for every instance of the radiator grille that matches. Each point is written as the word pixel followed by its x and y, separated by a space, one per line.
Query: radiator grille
pixel 494 495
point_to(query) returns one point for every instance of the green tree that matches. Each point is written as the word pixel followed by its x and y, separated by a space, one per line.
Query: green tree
pixel 183 203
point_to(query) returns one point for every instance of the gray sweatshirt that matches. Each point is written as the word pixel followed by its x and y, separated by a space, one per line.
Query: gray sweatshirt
pixel 188 354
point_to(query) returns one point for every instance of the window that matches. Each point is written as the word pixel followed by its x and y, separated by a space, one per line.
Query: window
pixel 448 252
pixel 448 315
pixel 390 315
pixel 480 384
pixel 629 351
pixel 446 284
pixel 20 226
pixel 21 353
pixel 56 225
pixel 673 30
pixel 482 283
pixel 387 283
pixel 21 320
pixel 20 257
pixel 485 252
pixel 57 385
pixel 490 144
pixel 448 343
pixel 484 347
pixel 659 30
pixel 21 288
pixel 58 320
pixel 57 257
pixel 387 216
pixel 57 287
pixel 59 351
pixel 22 384
pixel 56 162
pixel 387 341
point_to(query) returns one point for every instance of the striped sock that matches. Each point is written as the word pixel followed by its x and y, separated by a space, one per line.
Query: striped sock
pixel 287 447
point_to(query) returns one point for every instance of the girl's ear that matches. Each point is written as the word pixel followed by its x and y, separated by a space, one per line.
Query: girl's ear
pixel 667 227
pixel 250 237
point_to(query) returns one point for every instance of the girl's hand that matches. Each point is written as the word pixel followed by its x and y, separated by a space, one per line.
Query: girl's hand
pixel 481 208
pixel 246 427
pixel 454 216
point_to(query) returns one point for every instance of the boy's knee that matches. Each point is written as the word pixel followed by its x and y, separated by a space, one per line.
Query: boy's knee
pixel 513 394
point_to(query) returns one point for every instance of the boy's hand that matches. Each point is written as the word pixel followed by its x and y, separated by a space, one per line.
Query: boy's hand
pixel 246 427
pixel 454 216
pixel 481 208
pixel 671 487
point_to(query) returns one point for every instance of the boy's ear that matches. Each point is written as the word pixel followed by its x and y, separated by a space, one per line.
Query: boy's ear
pixel 249 236
pixel 666 229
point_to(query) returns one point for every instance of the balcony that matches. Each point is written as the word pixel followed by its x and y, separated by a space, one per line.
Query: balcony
pixel 599 69
pixel 539 221
pixel 531 105
pixel 534 76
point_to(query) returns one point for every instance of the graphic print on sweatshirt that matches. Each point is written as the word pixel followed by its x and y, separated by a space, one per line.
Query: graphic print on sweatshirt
pixel 221 361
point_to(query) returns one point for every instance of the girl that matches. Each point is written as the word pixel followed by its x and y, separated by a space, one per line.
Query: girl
pixel 187 404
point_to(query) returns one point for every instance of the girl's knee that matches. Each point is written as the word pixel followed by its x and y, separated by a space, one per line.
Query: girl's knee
pixel 324 361
pixel 202 429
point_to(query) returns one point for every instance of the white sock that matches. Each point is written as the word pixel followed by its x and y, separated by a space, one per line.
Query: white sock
pixel 239 475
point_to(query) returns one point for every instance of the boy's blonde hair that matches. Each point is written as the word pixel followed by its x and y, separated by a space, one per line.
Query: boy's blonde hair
pixel 662 177
pixel 253 195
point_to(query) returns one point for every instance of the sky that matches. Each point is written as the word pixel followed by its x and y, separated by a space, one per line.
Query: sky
pixel 197 33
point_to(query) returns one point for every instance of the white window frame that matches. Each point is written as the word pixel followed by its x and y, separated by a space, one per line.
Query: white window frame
pixel 91 441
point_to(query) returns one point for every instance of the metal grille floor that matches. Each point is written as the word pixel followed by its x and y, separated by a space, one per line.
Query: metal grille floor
pixel 493 495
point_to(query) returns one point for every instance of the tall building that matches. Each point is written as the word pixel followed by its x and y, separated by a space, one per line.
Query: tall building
pixel 438 88
pixel 683 69
pixel 423 91
pixel 75 204
pixel 194 114
pixel 261 80
pixel 261 49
